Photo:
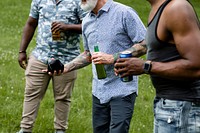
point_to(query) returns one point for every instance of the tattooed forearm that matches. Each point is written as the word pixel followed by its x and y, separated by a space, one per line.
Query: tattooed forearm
pixel 80 61
pixel 138 50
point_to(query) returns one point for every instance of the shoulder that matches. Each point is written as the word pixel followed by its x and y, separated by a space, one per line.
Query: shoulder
pixel 178 14
pixel 123 10
pixel 119 7
pixel 179 9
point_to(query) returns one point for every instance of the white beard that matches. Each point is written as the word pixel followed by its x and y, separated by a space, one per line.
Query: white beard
pixel 89 5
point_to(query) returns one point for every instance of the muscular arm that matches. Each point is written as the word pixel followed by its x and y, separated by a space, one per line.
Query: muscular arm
pixel 182 23
pixel 80 61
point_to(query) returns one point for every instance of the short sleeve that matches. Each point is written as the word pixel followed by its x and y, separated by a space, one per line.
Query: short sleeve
pixel 34 9
pixel 134 26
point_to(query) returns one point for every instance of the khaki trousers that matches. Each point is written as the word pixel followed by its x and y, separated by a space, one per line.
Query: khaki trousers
pixel 36 85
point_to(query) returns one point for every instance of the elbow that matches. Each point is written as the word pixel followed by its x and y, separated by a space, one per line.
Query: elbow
pixel 195 72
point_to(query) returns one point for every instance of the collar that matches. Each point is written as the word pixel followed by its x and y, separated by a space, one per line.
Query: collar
pixel 54 1
pixel 105 8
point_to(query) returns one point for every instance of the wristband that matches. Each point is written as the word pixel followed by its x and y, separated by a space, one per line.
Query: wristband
pixel 22 51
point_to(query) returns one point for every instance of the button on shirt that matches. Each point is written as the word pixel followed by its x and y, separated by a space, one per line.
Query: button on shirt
pixel 47 11
pixel 115 28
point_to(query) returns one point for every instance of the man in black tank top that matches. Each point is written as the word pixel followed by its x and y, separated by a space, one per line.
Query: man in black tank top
pixel 173 52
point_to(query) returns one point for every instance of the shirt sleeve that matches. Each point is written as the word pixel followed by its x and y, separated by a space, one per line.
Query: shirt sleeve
pixel 34 9
pixel 134 26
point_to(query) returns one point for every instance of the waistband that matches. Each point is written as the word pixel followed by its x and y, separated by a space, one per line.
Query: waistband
pixel 194 102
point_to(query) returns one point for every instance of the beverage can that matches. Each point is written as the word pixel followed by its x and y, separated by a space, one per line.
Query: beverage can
pixel 126 54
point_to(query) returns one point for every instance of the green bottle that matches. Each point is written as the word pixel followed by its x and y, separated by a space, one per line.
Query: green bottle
pixel 101 73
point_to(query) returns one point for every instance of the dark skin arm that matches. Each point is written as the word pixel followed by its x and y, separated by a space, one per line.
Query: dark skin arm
pixel 76 28
pixel 27 36
pixel 180 27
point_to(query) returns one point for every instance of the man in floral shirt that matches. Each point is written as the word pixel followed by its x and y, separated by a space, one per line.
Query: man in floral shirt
pixel 48 16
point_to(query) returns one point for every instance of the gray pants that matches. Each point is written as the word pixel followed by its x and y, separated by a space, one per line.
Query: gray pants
pixel 36 86
pixel 114 116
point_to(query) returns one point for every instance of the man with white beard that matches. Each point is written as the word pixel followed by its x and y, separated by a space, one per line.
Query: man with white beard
pixel 114 28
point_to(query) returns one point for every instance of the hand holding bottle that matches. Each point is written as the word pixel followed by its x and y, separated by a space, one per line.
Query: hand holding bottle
pixel 101 73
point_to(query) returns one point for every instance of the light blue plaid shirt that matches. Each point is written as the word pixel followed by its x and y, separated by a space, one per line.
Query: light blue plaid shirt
pixel 116 28
pixel 47 11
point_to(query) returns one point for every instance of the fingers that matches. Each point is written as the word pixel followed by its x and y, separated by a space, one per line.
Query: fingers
pixel 120 67
pixel 23 64
pixel 55 73
pixel 96 58
pixel 95 55
pixel 45 70
pixel 120 63
pixel 55 27
pixel 102 58
pixel 22 60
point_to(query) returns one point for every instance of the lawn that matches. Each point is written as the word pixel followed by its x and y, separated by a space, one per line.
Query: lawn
pixel 14 14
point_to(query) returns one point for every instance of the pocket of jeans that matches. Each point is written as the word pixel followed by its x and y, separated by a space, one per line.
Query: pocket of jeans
pixel 168 112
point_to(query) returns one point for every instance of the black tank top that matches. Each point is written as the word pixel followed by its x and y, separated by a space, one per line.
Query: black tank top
pixel 160 51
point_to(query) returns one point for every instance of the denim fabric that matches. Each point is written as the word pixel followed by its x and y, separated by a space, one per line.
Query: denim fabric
pixel 172 116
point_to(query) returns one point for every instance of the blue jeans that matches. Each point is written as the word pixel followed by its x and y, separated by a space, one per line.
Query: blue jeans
pixel 114 116
pixel 172 116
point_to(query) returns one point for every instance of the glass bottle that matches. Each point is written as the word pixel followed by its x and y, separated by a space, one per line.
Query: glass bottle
pixel 101 73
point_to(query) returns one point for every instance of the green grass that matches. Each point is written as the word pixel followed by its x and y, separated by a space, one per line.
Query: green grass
pixel 14 14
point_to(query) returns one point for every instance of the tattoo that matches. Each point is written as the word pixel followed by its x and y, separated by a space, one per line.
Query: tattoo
pixel 80 61
pixel 138 50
